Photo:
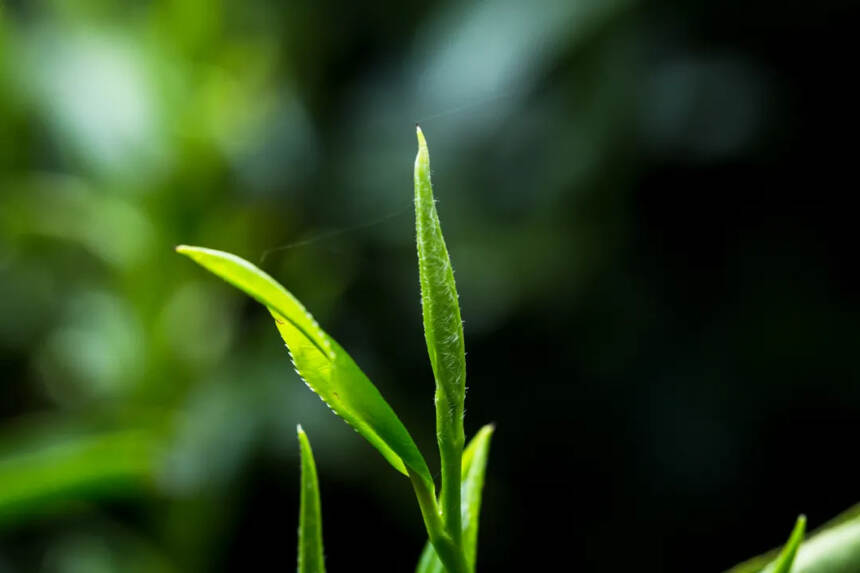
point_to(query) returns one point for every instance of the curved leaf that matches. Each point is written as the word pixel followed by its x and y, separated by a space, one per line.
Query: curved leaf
pixel 311 558
pixel 324 366
pixel 474 468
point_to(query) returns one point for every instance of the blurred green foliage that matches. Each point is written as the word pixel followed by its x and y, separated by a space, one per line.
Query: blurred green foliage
pixel 130 127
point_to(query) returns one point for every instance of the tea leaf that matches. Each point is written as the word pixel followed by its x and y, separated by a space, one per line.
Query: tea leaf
pixel 443 331
pixel 311 558
pixel 324 366
pixel 474 468
pixel 443 327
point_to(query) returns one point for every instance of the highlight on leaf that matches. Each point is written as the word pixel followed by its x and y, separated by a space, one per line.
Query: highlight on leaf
pixel 310 555
pixel 323 365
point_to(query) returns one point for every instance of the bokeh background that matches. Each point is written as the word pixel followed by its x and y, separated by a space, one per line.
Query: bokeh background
pixel 643 203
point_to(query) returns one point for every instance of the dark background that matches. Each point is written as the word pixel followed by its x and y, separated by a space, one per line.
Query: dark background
pixel 645 204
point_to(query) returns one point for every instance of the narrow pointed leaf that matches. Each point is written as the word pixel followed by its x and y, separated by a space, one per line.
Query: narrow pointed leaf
pixel 475 466
pixel 311 558
pixel 443 327
pixel 443 331
pixel 474 469
pixel 834 548
pixel 324 366
pixel 785 560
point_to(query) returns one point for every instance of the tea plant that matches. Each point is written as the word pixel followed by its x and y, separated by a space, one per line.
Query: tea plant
pixel 451 519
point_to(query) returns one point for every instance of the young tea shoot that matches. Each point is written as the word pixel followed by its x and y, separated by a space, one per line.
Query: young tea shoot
pixel 451 521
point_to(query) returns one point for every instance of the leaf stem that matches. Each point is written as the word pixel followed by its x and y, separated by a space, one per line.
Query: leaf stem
pixel 449 553
pixel 449 435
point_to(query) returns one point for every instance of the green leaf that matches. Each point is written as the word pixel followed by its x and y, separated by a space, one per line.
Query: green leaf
pixel 474 468
pixel 786 557
pixel 40 476
pixel 311 558
pixel 443 331
pixel 443 327
pixel 834 548
pixel 324 366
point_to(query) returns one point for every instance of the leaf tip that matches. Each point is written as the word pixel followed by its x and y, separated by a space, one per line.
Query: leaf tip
pixel 423 154
pixel 487 430
pixel 800 526
pixel 299 430
pixel 189 251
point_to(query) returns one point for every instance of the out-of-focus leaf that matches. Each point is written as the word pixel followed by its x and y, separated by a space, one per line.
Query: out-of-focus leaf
pixel 72 469
pixel 429 561
pixel 834 548
pixel 443 331
pixel 324 366
pixel 474 468
pixel 311 558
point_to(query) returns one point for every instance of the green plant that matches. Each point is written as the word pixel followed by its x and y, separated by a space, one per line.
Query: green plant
pixel 451 519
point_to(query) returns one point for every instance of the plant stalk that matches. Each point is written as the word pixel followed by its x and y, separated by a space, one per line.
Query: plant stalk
pixel 449 435
pixel 449 553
